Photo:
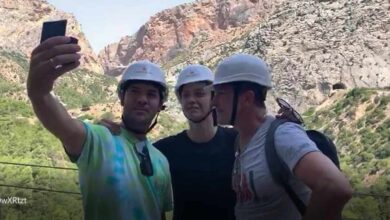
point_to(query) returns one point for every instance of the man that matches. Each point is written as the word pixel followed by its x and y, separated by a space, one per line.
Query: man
pixel 121 177
pixel 201 157
pixel 241 84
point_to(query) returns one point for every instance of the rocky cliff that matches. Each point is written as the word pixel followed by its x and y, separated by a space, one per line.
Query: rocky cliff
pixel 21 25
pixel 193 26
pixel 310 45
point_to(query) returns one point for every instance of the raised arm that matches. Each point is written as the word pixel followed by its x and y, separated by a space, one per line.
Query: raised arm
pixel 50 60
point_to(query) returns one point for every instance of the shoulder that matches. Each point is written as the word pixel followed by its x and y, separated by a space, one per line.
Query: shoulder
pixel 291 135
pixel 169 141
pixel 95 130
pixel 157 154
pixel 227 132
pixel 289 129
pixel 101 137
pixel 292 143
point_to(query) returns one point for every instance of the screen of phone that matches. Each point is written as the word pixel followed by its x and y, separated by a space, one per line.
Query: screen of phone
pixel 52 29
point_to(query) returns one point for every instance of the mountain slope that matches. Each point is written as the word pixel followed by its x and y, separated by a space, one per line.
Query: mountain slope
pixel 21 26
pixel 311 46
pixel 359 123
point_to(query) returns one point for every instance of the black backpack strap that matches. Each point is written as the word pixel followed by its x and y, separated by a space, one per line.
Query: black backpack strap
pixel 278 168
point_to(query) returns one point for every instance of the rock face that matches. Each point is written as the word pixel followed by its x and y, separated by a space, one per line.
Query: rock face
pixel 194 26
pixel 310 45
pixel 21 24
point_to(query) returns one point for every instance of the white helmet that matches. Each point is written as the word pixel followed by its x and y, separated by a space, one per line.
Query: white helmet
pixel 243 67
pixel 191 74
pixel 146 71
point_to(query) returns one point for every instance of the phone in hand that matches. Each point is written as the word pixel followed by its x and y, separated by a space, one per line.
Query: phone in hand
pixel 55 28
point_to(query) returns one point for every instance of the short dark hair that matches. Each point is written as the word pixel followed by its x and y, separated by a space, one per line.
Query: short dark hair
pixel 259 91
pixel 125 86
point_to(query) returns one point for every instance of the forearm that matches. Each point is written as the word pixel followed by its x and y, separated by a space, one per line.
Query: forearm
pixel 53 115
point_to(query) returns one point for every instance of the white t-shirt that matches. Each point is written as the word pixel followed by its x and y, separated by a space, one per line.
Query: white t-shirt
pixel 258 196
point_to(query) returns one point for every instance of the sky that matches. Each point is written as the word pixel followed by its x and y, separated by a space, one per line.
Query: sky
pixel 106 21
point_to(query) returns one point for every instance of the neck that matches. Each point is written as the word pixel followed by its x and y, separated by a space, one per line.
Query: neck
pixel 248 126
pixel 139 137
pixel 203 131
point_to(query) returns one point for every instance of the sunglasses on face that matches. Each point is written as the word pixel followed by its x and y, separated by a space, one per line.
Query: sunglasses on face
pixel 289 110
pixel 145 161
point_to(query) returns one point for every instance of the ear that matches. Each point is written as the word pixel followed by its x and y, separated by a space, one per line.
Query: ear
pixel 247 98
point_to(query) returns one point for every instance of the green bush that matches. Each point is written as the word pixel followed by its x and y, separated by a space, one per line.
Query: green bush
pixel 14 108
pixel 376 116
pixel 8 87
pixel 309 112
pixel 18 58
pixel 107 115
pixel 87 117
pixel 384 101
pixel 370 107
pixel 83 88
pixel 383 152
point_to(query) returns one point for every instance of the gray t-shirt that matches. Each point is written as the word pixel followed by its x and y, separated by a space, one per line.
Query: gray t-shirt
pixel 258 196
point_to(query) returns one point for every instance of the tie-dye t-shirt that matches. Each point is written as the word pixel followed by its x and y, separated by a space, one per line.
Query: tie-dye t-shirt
pixel 111 182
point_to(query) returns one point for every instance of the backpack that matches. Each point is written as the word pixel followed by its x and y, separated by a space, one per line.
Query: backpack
pixel 278 168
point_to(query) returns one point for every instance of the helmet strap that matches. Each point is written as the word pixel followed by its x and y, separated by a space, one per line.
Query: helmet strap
pixel 204 117
pixel 215 121
pixel 138 131
pixel 212 110
pixel 234 106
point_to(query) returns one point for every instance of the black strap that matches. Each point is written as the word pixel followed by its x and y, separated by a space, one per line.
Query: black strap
pixel 278 168
pixel 204 117
pixel 136 131
pixel 235 102
pixel 215 119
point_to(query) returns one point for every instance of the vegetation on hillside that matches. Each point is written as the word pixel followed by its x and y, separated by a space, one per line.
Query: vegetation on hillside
pixel 79 88
pixel 359 124
pixel 24 140
pixel 27 142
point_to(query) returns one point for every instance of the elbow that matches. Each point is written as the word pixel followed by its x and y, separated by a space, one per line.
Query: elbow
pixel 334 193
pixel 344 190
pixel 345 193
pixel 341 193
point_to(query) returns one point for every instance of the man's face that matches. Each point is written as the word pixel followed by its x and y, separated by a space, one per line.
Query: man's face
pixel 141 103
pixel 195 100
pixel 223 101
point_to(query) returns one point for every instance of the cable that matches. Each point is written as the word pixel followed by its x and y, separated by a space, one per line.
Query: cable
pixel 33 165
pixel 41 189
pixel 370 194
pixel 359 194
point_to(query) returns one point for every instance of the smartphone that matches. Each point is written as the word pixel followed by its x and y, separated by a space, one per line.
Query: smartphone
pixel 55 28
pixel 52 29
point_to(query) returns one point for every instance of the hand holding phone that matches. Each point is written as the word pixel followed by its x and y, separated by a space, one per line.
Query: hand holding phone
pixel 53 29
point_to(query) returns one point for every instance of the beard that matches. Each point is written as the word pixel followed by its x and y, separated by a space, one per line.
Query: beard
pixel 134 124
